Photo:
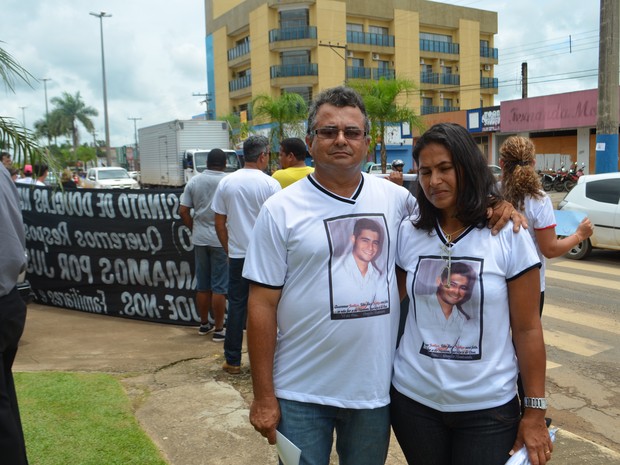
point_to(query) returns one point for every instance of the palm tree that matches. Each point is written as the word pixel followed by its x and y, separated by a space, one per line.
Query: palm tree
pixel 237 130
pixel 12 134
pixel 287 112
pixel 380 98
pixel 71 109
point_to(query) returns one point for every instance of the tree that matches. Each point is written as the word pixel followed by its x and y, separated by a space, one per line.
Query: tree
pixel 287 112
pixel 237 131
pixel 380 98
pixel 12 134
pixel 71 109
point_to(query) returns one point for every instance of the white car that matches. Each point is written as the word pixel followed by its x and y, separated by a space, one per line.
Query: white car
pixel 110 178
pixel 598 196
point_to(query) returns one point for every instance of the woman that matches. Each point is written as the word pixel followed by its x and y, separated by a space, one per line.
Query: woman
pixel 66 179
pixel 521 187
pixel 456 404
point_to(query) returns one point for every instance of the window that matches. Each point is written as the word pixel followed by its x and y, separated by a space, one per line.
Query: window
pixel 293 18
pixel 427 101
pixel 357 62
pixel 383 64
pixel 435 37
pixel 305 92
pixel 426 69
pixel 295 57
pixel 605 190
pixel 382 31
pixel 353 27
pixel 446 70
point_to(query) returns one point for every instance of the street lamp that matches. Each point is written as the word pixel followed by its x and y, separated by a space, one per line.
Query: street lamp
pixel 47 115
pixel 108 150
pixel 24 116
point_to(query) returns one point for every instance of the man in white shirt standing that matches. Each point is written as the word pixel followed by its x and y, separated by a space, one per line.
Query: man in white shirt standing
pixel 237 201
pixel 211 260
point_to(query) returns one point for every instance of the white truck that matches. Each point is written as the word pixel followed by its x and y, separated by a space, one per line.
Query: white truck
pixel 172 153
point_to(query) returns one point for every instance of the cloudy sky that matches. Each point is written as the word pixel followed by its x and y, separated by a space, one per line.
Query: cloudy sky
pixel 155 55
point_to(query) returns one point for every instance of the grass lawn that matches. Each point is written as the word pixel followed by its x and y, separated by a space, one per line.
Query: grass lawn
pixel 81 419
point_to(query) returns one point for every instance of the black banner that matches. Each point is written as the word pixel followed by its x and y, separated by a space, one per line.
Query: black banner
pixel 114 252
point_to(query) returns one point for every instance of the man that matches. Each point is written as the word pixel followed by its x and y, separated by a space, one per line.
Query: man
pixel 41 170
pixel 12 319
pixel 357 276
pixel 312 371
pixel 236 203
pixel 451 331
pixel 27 178
pixel 324 366
pixel 292 161
pixel 211 259
pixel 5 157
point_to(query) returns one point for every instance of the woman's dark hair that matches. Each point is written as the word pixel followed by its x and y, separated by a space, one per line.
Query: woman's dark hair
pixel 477 188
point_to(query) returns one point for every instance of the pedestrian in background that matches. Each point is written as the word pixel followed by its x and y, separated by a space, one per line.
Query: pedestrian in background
pixel 236 203
pixel 211 260
pixel 5 158
pixel 12 319
pixel 292 158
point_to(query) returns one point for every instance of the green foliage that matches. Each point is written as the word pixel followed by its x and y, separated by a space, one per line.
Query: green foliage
pixel 63 120
pixel 81 418
pixel 287 112
pixel 237 130
pixel 13 136
pixel 380 98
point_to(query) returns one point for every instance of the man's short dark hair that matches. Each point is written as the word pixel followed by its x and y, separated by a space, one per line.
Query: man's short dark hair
pixel 39 169
pixel 216 159
pixel 296 146
pixel 339 97
pixel 254 146
pixel 4 155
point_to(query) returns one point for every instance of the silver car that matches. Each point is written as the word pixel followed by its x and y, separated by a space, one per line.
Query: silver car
pixel 597 195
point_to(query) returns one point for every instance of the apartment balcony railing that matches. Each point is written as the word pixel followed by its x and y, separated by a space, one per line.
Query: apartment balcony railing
pixel 369 38
pixel 439 46
pixel 488 83
pixel 239 83
pixel 358 72
pixel 299 69
pixel 239 50
pixel 440 78
pixel 292 33
pixel 383 74
pixel 447 108
pixel 429 109
pixel 488 52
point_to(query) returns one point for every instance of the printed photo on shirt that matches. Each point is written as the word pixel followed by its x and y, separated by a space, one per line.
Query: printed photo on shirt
pixel 447 303
pixel 358 266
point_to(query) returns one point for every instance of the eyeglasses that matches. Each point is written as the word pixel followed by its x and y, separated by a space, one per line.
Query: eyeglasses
pixel 333 133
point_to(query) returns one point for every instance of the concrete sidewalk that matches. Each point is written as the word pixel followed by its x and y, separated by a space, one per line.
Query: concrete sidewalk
pixel 193 411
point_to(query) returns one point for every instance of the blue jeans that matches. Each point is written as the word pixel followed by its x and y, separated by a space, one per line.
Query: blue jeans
pixel 362 436
pixel 238 290
pixel 431 437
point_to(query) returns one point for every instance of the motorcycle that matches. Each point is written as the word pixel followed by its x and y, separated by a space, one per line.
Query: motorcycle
pixel 546 179
pixel 559 178
pixel 573 176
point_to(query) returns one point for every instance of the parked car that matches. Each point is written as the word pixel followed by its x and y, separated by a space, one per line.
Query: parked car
pixel 375 168
pixel 110 178
pixel 598 196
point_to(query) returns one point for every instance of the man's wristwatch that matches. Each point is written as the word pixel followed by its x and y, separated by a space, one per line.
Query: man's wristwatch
pixel 535 402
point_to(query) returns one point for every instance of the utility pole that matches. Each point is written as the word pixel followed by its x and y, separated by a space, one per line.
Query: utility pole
pixel 135 134
pixel 524 80
pixel 47 114
pixel 607 117
pixel 344 56
pixel 206 101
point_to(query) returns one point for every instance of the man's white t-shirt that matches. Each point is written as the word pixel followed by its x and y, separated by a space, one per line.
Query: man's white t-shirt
pixel 240 196
pixel 324 356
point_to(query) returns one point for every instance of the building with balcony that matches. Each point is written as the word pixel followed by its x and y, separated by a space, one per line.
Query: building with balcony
pixel 303 46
